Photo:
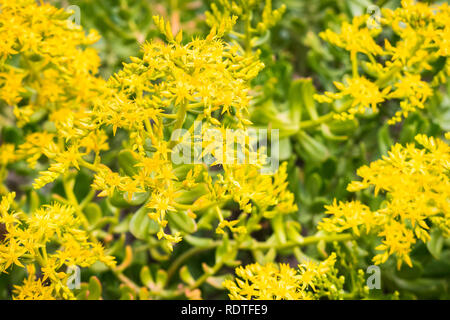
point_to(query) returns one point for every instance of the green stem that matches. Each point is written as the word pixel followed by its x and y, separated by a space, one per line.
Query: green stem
pixel 205 276
pixel 184 257
pixel 307 124
pixel 68 189
pixel 354 59
pixel 87 165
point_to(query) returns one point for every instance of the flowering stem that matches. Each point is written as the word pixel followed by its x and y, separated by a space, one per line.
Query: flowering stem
pixel 87 199
pixel 313 123
pixel 87 165
pixel 68 189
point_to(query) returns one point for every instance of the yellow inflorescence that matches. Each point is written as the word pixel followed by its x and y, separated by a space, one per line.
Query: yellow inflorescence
pixel 149 100
pixel 207 78
pixel 394 70
pixel 48 72
pixel 281 282
pixel 417 186
pixel 54 68
pixel 50 237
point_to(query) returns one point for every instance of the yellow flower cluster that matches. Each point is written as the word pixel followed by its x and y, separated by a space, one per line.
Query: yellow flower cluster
pixel 417 186
pixel 395 71
pixel 245 11
pixel 51 238
pixel 174 87
pixel 48 75
pixel 312 280
pixel 44 64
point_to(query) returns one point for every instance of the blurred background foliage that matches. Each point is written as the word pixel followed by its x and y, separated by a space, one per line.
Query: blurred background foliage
pixel 322 159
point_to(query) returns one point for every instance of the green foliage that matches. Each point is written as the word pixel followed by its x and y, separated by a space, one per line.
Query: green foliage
pixel 322 153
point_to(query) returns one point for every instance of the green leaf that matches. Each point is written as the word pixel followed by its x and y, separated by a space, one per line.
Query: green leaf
pixel 293 229
pixel 436 243
pixel 311 149
pixel 257 41
pixel 141 226
pixel 270 255
pixel 161 278
pixel 186 276
pixel 182 221
pixel 306 90
pixel 414 272
pixel 118 245
pixel 439 268
pixel 279 228
pixel 198 242
pixel 146 276
pixel 11 134
pixel 313 184
pixel 34 201
pixel 127 162
pixel 93 212
pixel 120 199
pixel 408 133
pixel 423 287
pixel 217 281
pixel 285 149
pixel 94 289
pixel 295 100
pixel 126 293
pixel 181 171
pixel 189 196
pixel 384 140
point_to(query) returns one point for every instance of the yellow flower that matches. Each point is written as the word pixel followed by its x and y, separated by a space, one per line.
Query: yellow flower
pixel 153 96
pixel 31 236
pixel 280 282
pixel 32 288
pixel 415 181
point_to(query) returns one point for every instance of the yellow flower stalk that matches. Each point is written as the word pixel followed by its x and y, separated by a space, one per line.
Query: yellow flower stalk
pixel 281 282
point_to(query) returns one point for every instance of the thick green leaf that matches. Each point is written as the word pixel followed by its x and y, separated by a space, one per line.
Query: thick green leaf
pixel 141 226
pixel 436 243
pixel 94 289
pixel 127 162
pixel 182 221
pixel 93 212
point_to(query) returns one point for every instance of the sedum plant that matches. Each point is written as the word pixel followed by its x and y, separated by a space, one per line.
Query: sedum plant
pixel 274 282
pixel 416 200
pixel 192 160
pixel 51 238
